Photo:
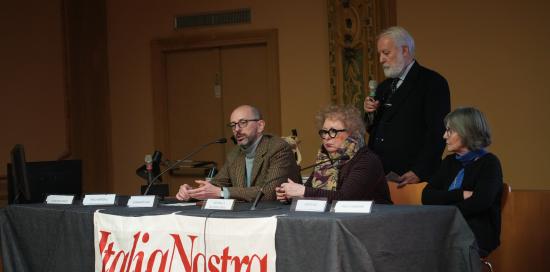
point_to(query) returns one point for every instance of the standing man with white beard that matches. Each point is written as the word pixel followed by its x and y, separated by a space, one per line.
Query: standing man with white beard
pixel 409 108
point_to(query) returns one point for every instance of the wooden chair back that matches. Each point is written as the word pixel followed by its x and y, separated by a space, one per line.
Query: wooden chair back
pixel 408 195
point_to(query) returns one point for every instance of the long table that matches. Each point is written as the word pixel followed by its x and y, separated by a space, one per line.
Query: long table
pixel 39 237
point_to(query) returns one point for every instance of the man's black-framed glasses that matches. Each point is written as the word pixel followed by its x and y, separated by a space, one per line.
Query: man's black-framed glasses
pixel 241 123
pixel 331 132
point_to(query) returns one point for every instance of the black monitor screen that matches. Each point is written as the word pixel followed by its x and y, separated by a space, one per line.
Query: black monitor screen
pixel 17 172
pixel 43 178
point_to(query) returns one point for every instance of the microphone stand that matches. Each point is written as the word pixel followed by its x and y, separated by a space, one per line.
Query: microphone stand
pixel 259 196
pixel 178 162
pixel 332 161
pixel 149 177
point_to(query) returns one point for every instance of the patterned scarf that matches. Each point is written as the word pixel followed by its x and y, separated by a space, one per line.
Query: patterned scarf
pixel 325 175
pixel 465 160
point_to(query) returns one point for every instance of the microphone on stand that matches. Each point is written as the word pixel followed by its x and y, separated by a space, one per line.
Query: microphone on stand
pixel 178 162
pixel 156 161
pixel 149 168
pixel 332 161
pixel 260 193
pixel 324 150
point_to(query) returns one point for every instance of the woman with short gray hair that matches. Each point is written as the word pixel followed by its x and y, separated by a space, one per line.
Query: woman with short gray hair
pixel 472 127
pixel 471 178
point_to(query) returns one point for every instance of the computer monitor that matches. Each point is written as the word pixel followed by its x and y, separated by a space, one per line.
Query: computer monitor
pixel 17 172
pixel 31 182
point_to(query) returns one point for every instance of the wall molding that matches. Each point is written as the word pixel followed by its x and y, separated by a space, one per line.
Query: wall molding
pixel 353 26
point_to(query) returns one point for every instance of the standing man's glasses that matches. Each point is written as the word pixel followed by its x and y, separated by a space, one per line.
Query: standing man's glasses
pixel 241 123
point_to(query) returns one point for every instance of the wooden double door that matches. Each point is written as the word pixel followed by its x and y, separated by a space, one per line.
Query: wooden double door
pixel 198 88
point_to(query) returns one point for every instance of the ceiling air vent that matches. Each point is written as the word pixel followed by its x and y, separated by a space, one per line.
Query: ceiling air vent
pixel 231 17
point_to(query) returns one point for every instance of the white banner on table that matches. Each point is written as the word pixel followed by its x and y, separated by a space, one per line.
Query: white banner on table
pixel 177 243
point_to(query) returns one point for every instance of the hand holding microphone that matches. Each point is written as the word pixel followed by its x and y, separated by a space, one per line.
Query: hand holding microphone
pixel 370 104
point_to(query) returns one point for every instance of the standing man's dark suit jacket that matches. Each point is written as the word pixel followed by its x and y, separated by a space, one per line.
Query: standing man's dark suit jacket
pixel 274 163
pixel 409 134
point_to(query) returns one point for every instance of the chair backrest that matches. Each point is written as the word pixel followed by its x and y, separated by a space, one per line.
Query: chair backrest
pixel 408 195
pixel 506 190
pixel 293 141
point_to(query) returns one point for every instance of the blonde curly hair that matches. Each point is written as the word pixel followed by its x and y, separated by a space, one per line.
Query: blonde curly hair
pixel 349 115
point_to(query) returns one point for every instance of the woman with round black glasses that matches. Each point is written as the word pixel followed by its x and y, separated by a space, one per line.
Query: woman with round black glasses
pixel 345 168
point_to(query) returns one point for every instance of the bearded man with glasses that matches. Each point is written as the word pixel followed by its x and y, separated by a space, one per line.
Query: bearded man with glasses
pixel 258 159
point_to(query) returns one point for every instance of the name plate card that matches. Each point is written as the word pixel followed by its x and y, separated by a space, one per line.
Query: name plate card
pixel 99 199
pixel 310 205
pixel 142 201
pixel 60 199
pixel 352 207
pixel 219 204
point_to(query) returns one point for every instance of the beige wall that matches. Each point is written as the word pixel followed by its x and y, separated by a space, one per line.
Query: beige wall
pixel 303 64
pixel 494 55
pixel 32 83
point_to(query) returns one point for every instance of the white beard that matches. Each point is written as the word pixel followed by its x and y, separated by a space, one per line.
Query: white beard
pixel 395 70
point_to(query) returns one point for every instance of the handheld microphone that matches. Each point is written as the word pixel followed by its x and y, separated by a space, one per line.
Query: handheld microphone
pixel 149 168
pixel 372 93
pixel 178 162
pixel 372 87
pixel 260 193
